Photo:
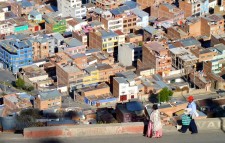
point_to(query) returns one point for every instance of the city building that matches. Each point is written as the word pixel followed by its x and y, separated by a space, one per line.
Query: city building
pixel 175 33
pixel 21 8
pixel 132 111
pixel 200 80
pixel 103 40
pixel 218 59
pixel 48 100
pixel 183 59
pixel 111 21
pixel 212 4
pixel 66 71
pixel 80 60
pixel 192 26
pixel 54 41
pixel 143 17
pixel 188 43
pixel 36 76
pixel 96 56
pixel 98 95
pixel 101 73
pixel 15 54
pixel 76 24
pixel 168 11
pixel 149 3
pixel 194 7
pixel 212 24
pixel 17 102
pixel 54 23
pixel 40 48
pixel 150 33
pixel 108 4
pixel 134 38
pixel 155 55
pixel 4 9
pixel 6 28
pixel 129 19
pixel 35 16
pixel 217 39
pixel 203 54
pixel 73 46
pixel 129 53
pixel 124 89
pixel 71 8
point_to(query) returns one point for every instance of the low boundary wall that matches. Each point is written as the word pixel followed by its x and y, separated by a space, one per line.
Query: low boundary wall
pixel 112 129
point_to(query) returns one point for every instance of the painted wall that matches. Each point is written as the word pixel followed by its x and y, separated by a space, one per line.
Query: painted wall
pixel 60 26
pixel 38 17
pixel 21 28
pixel 204 7
pixel 20 58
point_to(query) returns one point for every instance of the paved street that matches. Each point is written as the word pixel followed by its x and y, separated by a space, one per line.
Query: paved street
pixel 206 137
pixel 6 75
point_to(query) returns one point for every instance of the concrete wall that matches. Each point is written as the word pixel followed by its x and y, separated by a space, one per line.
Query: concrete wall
pixel 191 92
pixel 113 129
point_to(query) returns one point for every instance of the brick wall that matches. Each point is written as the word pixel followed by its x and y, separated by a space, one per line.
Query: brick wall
pixel 112 129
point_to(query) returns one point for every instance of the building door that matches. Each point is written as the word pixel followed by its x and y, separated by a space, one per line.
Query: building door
pixel 123 97
pixel 36 28
pixel 132 97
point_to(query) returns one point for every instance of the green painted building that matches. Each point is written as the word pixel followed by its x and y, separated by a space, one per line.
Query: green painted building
pixel 59 26
pixel 21 28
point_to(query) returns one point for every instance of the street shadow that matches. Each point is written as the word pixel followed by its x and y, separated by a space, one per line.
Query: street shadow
pixel 50 141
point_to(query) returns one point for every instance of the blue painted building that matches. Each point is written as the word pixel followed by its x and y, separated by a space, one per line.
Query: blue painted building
pixel 35 15
pixel 16 54
pixel 204 9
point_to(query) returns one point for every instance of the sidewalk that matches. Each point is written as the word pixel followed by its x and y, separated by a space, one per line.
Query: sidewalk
pixel 5 136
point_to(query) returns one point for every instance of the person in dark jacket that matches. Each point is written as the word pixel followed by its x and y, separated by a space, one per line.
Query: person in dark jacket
pixel 186 120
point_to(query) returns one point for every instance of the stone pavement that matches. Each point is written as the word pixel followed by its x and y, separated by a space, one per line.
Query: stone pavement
pixel 202 137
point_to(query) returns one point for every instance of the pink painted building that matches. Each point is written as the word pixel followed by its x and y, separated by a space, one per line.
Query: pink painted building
pixel 74 46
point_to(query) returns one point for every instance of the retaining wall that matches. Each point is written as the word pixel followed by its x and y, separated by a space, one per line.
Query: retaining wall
pixel 112 129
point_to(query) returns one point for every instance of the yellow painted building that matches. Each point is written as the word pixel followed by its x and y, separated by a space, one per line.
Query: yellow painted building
pixel 108 44
pixel 91 78
pixel 105 40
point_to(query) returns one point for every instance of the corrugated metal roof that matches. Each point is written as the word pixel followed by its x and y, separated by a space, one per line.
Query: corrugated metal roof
pixel 134 106
pixel 139 12
pixel 46 95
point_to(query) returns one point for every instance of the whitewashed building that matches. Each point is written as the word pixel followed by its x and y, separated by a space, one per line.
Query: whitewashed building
pixel 71 8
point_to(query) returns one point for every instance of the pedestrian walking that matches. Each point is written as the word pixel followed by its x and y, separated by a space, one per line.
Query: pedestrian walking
pixel 193 113
pixel 186 120
pixel 154 126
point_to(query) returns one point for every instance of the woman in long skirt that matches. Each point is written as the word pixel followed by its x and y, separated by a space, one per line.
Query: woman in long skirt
pixel 154 125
